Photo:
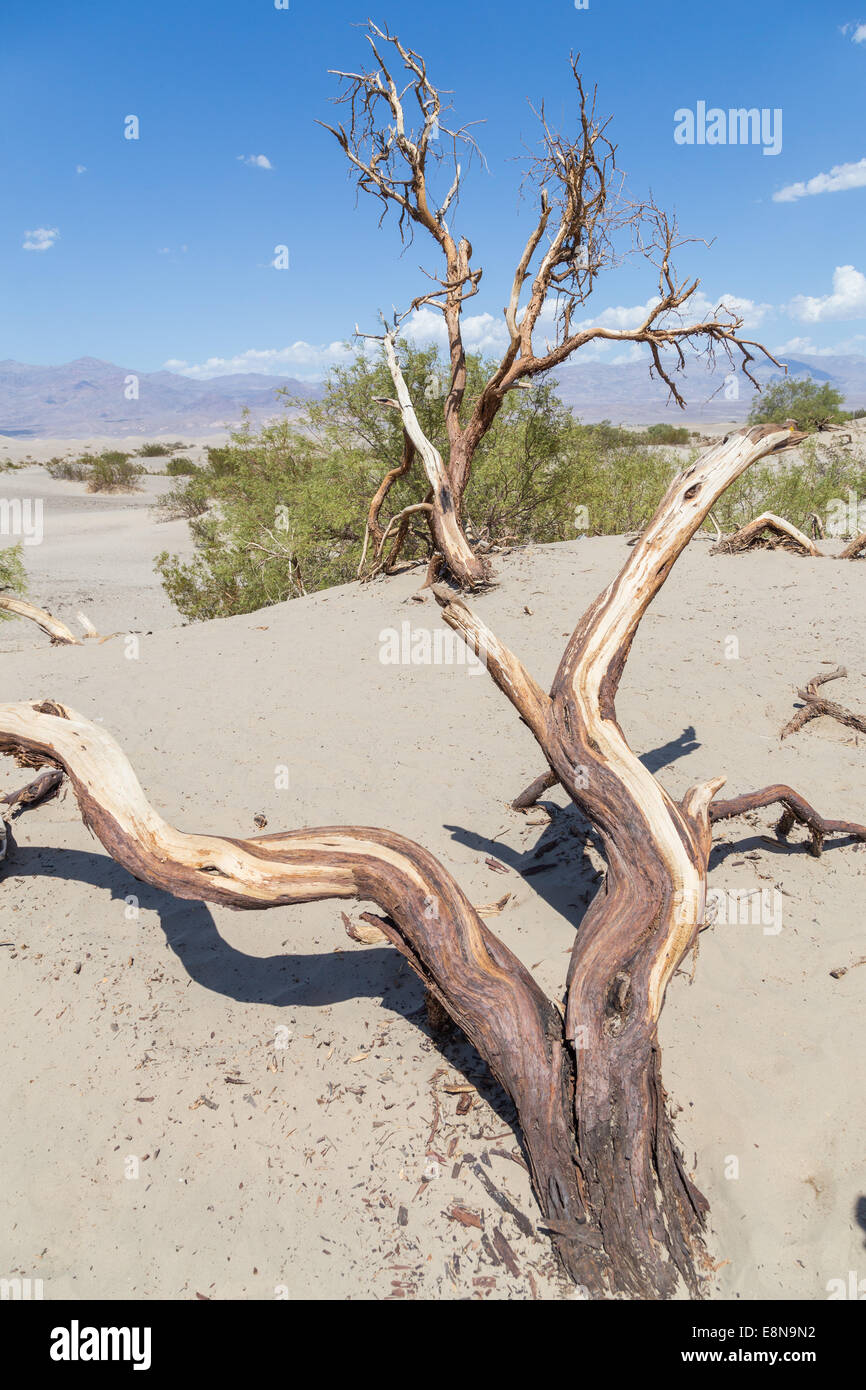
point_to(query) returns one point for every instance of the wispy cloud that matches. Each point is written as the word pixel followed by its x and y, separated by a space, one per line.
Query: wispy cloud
pixel 81 168
pixel 804 347
pixel 856 31
pixel 40 239
pixel 847 300
pixel 840 177
pixel 256 161
pixel 300 359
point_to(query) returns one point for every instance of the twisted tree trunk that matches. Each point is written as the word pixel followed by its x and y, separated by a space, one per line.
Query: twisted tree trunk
pixel 605 1166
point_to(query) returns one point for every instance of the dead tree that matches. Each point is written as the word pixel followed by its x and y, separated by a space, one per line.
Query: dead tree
pixel 400 150
pixel 610 1181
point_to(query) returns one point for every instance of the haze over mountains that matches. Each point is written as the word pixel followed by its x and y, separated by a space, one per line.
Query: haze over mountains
pixel 89 397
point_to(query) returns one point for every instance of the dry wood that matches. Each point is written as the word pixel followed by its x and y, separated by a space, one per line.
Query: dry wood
pixel 485 989
pixel 797 810
pixel 856 549
pixel 644 1217
pixel 767 532
pixel 609 1178
pixel 56 630
pixel 814 705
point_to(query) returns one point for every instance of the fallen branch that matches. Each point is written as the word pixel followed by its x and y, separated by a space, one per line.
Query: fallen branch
pixel 856 549
pixel 767 532
pixel 42 788
pixel 58 632
pixel 814 705
pixel 797 809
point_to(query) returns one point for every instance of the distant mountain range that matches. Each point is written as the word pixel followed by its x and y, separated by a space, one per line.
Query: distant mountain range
pixel 628 395
pixel 89 397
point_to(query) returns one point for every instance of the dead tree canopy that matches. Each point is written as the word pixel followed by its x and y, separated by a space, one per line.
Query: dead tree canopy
pixel 403 148
pixel 614 1192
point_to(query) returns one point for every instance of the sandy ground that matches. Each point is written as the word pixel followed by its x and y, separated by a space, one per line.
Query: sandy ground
pixel 251 1105
pixel 95 555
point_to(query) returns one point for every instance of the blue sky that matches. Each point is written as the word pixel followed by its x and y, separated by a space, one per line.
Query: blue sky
pixel 159 250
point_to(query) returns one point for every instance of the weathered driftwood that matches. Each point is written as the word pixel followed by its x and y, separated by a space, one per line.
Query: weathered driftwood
pixel 815 705
pixel 56 630
pixel 767 532
pixel 856 549
pixel 42 788
pixel 611 1183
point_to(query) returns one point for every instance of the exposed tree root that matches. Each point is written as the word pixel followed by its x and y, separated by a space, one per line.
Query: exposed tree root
pixel 856 549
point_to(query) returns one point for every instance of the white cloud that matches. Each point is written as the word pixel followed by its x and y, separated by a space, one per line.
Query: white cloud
pixel 40 239
pixel 847 301
pixel 481 332
pixel 805 347
pixel 840 177
pixel 857 32
pixel 301 359
pixel 256 161
pixel 81 168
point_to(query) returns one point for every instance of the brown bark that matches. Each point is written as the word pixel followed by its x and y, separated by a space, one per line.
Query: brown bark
pixel 646 1219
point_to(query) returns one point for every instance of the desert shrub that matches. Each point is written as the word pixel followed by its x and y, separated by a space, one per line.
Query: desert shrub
pixel 180 467
pixel 810 403
pixel 156 450
pixel 665 434
pixel 187 500
pixel 113 471
pixel 282 511
pixel 13 577
pixel 71 470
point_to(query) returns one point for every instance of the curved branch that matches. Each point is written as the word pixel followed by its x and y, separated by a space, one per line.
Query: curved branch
pixel 768 531
pixel 56 630
pixel 487 991
pixel 797 808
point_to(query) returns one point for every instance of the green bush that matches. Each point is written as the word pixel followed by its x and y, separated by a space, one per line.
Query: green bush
pixel 156 450
pixel 791 489
pixel 113 471
pixel 71 470
pixel 13 577
pixel 801 399
pixel 181 467
pixel 282 511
